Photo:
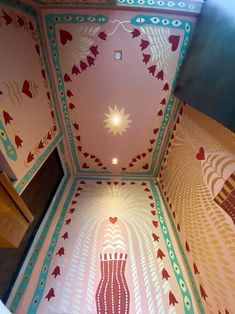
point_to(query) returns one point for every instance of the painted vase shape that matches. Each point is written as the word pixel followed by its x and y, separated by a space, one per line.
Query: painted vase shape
pixel 219 176
pixel 112 295
pixel 226 197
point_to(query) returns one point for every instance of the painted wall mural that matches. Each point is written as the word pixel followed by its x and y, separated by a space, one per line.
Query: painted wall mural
pixel 90 81
pixel 28 127
pixel 197 179
pixel 110 249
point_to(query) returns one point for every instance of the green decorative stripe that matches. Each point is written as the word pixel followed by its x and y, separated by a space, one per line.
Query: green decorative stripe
pixel 176 23
pixel 187 300
pixel 168 137
pixel 33 258
pixel 38 294
pixel 172 5
pixel 51 21
pixel 186 262
pixel 8 146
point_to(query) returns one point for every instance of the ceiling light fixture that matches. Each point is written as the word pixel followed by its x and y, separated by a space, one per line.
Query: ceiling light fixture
pixel 117 121
pixel 118 55
pixel 114 161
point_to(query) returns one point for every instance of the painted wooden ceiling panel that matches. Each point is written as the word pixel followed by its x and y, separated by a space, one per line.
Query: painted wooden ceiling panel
pixel 116 108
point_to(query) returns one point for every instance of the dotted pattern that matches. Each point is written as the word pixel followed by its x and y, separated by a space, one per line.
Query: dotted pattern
pixel 205 226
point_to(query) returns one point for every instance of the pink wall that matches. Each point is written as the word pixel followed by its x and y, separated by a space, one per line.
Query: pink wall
pixel 29 128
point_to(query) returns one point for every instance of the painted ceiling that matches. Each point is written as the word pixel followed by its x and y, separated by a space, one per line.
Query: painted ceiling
pixel 93 88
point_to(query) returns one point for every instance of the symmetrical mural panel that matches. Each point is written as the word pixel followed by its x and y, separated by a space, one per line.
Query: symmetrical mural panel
pixel 109 250
pixel 28 126
pixel 198 181
pixel 116 65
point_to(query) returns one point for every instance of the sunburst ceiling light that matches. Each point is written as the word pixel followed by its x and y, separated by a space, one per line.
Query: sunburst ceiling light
pixel 117 121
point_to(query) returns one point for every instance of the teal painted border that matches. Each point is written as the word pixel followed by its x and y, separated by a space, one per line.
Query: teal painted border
pixel 22 183
pixel 185 260
pixel 167 139
pixel 33 258
pixel 51 21
pixel 186 26
pixel 172 5
pixel 39 291
pixel 187 300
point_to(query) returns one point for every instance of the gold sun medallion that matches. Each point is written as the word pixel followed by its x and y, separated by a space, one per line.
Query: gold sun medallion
pixel 117 121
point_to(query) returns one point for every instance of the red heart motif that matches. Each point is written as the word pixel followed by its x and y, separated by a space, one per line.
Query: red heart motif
pixel 160 113
pixel 7 18
pixel 144 44
pixel 138 156
pixel 71 106
pixel 85 154
pixel 79 148
pixel 134 160
pixel 201 154
pixel 26 89
pixel 49 136
pixel 174 41
pixel 40 145
pixel 146 58
pixel 75 70
pixel 135 33
pixel 131 165
pixel 152 141
pixel 143 155
pixel 145 167
pixel 92 156
pixel 85 166
pixel 150 149
pixel 113 220
pixel 31 27
pixel 152 69
pixel 160 75
pixel 65 36
pixel 102 35
pixel 30 157
pixel 155 131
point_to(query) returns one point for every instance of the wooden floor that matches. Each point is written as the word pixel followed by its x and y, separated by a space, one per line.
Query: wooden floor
pixel 37 196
